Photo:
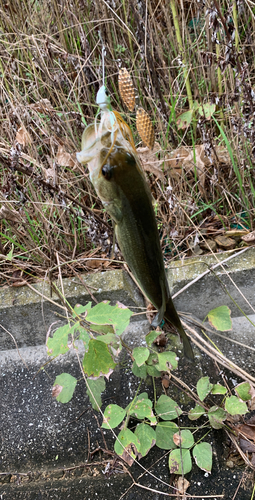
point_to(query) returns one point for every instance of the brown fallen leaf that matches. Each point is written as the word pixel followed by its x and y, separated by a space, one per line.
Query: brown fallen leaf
pixel 10 214
pixel 65 159
pixel 225 242
pixel 42 106
pixel 23 137
pixel 208 244
pixel 183 158
pixel 150 161
pixel 249 238
pixel 182 485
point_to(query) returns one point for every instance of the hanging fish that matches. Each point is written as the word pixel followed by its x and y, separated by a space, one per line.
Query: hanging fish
pixel 117 175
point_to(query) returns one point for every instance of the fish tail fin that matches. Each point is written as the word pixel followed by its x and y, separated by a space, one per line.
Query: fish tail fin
pixel 172 316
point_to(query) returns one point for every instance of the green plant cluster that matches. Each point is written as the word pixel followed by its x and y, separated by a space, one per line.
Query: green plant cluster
pixel 100 329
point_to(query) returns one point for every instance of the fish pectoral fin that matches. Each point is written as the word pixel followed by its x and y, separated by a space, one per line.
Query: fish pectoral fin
pixel 159 317
pixel 161 313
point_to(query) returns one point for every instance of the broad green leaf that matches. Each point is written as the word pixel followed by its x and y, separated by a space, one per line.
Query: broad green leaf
pixel 97 360
pixel 127 446
pixel 184 120
pixel 204 387
pixel 96 387
pixel 146 436
pixel 234 406
pixel 218 389
pixel 140 372
pixel 108 338
pixel 166 360
pixel 143 409
pixel 141 355
pixel 152 371
pixel 103 314
pixel 216 417
pixel 167 409
pixel 104 329
pixel 58 343
pixel 150 337
pixel 164 435
pixel 184 439
pixel 207 110
pixel 79 309
pixel 68 384
pixel 202 454
pixel 180 461
pixel 113 416
pixel 84 336
pixel 220 318
pixel 244 391
pixel 196 412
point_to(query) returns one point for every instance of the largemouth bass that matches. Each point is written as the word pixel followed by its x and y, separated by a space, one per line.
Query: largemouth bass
pixel 118 178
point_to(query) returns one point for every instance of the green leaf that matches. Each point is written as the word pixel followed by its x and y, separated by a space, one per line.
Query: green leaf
pixel 98 359
pixel 216 417
pixel 79 309
pixel 84 336
pixel 58 343
pixel 146 436
pixel 103 329
pixel 207 110
pixel 9 255
pixel 150 337
pixel 180 461
pixel 152 371
pixel 196 412
pixel 234 406
pixel 184 439
pixel 167 409
pixel 244 391
pixel 202 454
pixel 68 384
pixel 218 389
pixel 204 387
pixel 140 372
pixel 108 338
pixel 103 314
pixel 184 120
pixel 220 318
pixel 141 355
pixel 164 435
pixel 142 408
pixel 94 391
pixel 167 360
pixel 113 416
pixel 127 446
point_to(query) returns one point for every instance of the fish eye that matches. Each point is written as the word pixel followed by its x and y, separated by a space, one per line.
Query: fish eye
pixel 107 172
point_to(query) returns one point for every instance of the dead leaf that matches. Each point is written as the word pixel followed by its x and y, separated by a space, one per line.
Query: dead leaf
pixel 249 238
pixel 177 439
pixel 10 214
pixel 42 106
pixel 93 264
pixel 182 485
pixel 183 158
pixel 56 390
pixel 225 242
pixel 23 137
pixel 65 159
pixel 208 244
pixel 150 161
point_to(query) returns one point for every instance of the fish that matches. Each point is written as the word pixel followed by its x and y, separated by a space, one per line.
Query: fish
pixel 119 180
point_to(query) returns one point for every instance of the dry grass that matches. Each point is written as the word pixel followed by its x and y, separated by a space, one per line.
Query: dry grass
pixel 51 69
